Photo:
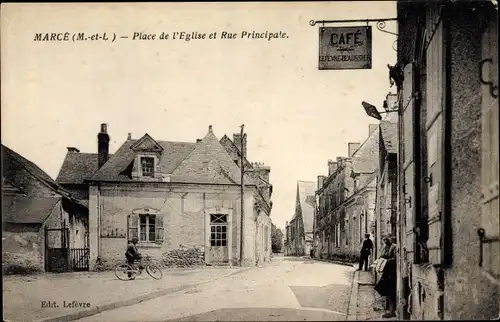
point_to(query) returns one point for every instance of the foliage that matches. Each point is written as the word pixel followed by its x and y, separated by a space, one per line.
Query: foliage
pixel 276 239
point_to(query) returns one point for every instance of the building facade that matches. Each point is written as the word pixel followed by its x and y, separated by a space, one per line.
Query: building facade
pixel 447 78
pixel 330 222
pixel 175 194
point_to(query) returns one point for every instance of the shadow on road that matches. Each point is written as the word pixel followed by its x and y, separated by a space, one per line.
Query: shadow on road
pixel 334 297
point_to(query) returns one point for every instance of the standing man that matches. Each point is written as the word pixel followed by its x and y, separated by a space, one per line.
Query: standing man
pixel 366 250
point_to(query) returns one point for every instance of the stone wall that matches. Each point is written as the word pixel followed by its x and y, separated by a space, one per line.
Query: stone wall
pixel 22 250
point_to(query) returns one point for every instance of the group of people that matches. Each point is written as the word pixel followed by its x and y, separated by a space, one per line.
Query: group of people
pixel 387 283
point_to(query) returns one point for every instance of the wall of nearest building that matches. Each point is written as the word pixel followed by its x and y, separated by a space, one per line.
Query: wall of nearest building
pixel 184 217
pixel 465 275
pixel 462 275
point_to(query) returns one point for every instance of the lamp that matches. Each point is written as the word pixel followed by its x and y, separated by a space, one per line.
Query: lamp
pixel 372 111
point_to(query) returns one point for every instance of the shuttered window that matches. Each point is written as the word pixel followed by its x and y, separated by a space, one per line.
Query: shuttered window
pixel 147 228
pixel 490 250
pixel 408 170
pixel 433 162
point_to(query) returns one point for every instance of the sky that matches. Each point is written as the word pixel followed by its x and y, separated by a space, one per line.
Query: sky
pixel 56 94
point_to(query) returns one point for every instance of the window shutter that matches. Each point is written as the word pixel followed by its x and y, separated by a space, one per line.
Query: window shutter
pixel 490 250
pixel 408 171
pixel 160 230
pixel 132 222
pixel 435 98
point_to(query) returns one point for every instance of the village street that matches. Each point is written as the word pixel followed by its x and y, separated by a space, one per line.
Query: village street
pixel 287 289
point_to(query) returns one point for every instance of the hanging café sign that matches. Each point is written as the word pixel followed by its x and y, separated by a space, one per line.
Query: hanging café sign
pixel 345 48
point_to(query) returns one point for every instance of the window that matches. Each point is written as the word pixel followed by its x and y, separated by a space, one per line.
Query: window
pixel 147 166
pixel 147 228
pixel 147 225
pixel 218 230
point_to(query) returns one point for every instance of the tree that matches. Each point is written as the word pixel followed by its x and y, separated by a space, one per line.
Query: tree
pixel 276 239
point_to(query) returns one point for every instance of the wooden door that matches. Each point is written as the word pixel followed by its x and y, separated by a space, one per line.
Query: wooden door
pixel 218 249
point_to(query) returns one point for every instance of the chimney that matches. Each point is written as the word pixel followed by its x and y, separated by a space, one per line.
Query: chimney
pixel 102 146
pixel 321 180
pixel 237 142
pixel 72 149
pixel 353 147
pixel 371 128
pixel 332 166
pixel 198 140
pixel 129 136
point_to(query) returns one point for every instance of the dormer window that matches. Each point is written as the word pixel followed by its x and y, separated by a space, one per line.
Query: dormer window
pixel 147 166
pixel 147 159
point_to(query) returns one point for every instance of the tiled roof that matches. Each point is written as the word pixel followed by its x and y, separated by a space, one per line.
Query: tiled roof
pixel 25 210
pixel 118 167
pixel 10 161
pixel 221 167
pixel 389 132
pixel 305 190
pixel 184 161
pixel 77 167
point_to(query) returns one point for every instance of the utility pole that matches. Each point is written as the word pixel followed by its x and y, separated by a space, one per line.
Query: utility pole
pixel 242 172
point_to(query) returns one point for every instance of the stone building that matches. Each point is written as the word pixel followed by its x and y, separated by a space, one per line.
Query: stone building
pixel 346 200
pixel 387 184
pixel 360 203
pixel 447 78
pixel 301 225
pixel 170 194
pixel 330 222
pixel 43 227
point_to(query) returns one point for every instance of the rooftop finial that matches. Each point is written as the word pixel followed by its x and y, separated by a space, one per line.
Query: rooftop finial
pixel 210 128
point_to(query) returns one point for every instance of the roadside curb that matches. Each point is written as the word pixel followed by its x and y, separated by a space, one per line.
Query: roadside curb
pixel 352 308
pixel 335 262
pixel 115 305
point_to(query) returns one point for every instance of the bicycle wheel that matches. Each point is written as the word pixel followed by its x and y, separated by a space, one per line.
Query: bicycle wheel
pixel 124 272
pixel 154 271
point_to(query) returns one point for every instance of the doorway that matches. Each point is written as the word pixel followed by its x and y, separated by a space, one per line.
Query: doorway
pixel 218 248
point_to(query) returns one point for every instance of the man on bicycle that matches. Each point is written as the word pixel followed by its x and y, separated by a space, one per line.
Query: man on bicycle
pixel 133 254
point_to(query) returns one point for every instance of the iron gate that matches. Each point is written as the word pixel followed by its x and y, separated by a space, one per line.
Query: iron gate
pixel 79 258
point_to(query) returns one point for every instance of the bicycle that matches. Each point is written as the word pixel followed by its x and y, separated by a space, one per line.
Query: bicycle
pixel 125 272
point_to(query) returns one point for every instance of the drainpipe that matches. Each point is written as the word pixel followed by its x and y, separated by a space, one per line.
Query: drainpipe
pixel 98 223
pixel 242 172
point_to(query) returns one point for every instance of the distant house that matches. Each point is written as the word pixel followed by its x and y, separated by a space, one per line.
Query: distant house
pixel 170 194
pixel 44 228
pixel 361 200
pixel 303 218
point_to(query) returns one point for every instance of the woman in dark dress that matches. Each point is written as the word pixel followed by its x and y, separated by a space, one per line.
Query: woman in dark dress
pixel 388 283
